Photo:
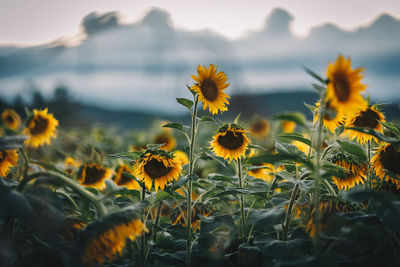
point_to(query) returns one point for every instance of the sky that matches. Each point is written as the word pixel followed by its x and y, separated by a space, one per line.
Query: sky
pixel 28 22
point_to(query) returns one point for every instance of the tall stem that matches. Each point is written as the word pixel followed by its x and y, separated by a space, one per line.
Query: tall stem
pixel 143 237
pixel 369 177
pixel 239 163
pixel 189 185
pixel 290 208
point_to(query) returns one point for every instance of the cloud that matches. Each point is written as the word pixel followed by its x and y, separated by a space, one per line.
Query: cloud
pixel 95 22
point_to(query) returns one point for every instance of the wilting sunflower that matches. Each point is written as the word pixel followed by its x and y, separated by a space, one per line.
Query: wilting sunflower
pixel 333 117
pixel 210 86
pixel 344 87
pixel 179 214
pixel 107 236
pixel 288 126
pixel 368 118
pixel 230 142
pixel 93 175
pixel 158 167
pixel 166 138
pixel 385 162
pixel 11 119
pixel 8 159
pixel 355 172
pixel 41 127
pixel 326 209
pixel 121 179
pixel 259 128
pixel 181 156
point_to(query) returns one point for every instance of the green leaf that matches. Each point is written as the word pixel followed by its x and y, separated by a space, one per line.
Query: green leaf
pixel 206 118
pixel 154 146
pixel 392 127
pixel 339 130
pixel 376 134
pixel 319 88
pixel 353 149
pixel 316 76
pixel 296 137
pixel 162 195
pixel 191 91
pixel 128 156
pixel 175 125
pixel 296 117
pixel 185 102
pixel 265 218
pixel 236 121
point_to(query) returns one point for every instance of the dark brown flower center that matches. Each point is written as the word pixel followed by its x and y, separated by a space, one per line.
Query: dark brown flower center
pixel 331 112
pixel 341 86
pixel 390 159
pixel 209 89
pixel 368 119
pixel 259 126
pixel 93 174
pixel 125 179
pixel 156 169
pixel 41 125
pixel 10 119
pixel 230 140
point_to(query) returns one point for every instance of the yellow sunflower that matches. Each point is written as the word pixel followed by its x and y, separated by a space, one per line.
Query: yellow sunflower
pixel 158 167
pixel 11 119
pixel 355 173
pixel 288 126
pixel 8 159
pixel 210 86
pixel 179 214
pixel 93 175
pixel 181 156
pixel 385 162
pixel 344 87
pixel 107 237
pixel 266 172
pixel 41 127
pixel 369 118
pixel 230 142
pixel 333 117
pixel 166 138
pixel 259 129
pixel 121 179
pixel 70 164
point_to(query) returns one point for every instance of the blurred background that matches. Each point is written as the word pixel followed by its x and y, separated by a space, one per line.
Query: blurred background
pixel 125 62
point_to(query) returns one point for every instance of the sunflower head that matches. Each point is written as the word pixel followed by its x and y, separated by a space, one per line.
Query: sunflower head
pixel 259 128
pixel 11 119
pixel 166 138
pixel 8 159
pixel 368 118
pixel 157 167
pixel 344 86
pixel 107 236
pixel 385 162
pixel 230 142
pixel 122 179
pixel 210 85
pixel 181 156
pixel 288 126
pixel 40 128
pixel 332 117
pixel 70 164
pixel 93 175
pixel 179 215
pixel 354 173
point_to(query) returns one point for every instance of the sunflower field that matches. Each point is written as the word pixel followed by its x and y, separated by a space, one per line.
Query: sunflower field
pixel 282 191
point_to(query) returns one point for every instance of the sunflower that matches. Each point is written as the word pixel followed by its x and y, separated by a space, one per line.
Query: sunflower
pixel 93 175
pixel 11 119
pixel 121 179
pixel 107 236
pixel 344 87
pixel 158 167
pixel 332 118
pixel 41 127
pixel 288 126
pixel 259 129
pixel 166 138
pixel 354 173
pixel 368 118
pixel 8 159
pixel 179 214
pixel 209 87
pixel 70 164
pixel 230 142
pixel 266 172
pixel 385 162
pixel 181 156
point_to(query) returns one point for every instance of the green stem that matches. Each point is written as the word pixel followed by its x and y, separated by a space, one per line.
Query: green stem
pixel 329 187
pixel 143 237
pixel 239 163
pixel 26 163
pixel 189 185
pixel 290 208
pixel 369 177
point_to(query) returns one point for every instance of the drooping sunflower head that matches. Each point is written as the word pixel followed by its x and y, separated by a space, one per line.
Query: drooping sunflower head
pixel 230 142
pixel 354 171
pixel 369 118
pixel 332 118
pixel 40 128
pixel 259 128
pixel 344 86
pixel 288 126
pixel 8 159
pixel 93 175
pixel 11 119
pixel 210 86
pixel 122 179
pixel 106 237
pixel 179 215
pixel 385 162
pixel 181 156
pixel 165 137
pixel 157 167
